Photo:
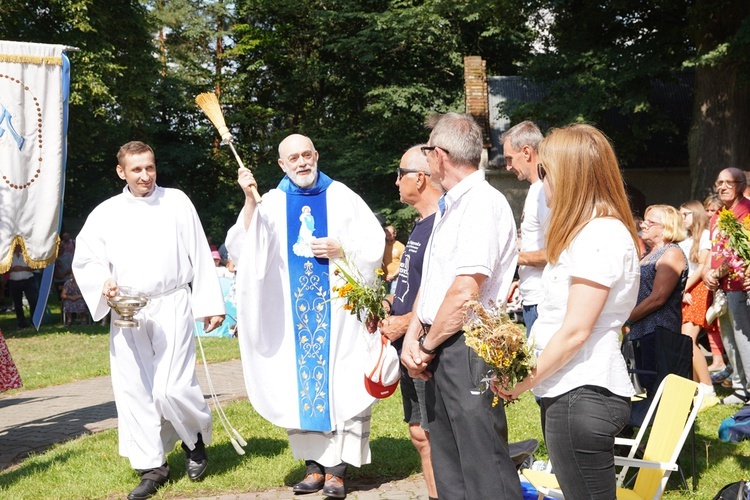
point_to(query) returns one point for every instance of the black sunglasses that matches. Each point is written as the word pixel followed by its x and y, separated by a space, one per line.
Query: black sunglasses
pixel 404 171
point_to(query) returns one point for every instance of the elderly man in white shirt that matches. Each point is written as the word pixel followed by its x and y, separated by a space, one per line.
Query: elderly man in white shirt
pixel 520 149
pixel 472 253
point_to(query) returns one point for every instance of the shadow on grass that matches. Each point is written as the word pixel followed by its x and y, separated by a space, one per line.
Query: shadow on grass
pixel 223 457
pixel 42 465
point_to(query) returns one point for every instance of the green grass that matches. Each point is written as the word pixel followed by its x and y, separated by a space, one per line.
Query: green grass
pixel 57 354
pixel 90 468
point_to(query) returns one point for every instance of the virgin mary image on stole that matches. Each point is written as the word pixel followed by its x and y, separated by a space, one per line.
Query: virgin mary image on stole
pixel 306 228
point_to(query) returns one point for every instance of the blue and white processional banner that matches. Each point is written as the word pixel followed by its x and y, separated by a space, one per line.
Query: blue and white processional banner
pixel 34 86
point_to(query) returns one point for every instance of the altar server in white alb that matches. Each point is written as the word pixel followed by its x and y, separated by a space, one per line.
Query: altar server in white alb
pixel 150 238
pixel 303 354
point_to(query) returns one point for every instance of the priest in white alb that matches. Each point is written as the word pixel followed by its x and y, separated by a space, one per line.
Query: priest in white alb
pixel 150 239
pixel 302 353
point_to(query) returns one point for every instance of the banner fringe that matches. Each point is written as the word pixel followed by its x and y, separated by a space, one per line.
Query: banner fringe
pixel 14 58
pixel 33 264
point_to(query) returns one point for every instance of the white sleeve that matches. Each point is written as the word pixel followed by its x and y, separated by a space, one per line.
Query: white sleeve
pixel 597 253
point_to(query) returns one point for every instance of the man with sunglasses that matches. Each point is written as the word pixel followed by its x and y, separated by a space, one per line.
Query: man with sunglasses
pixel 735 325
pixel 520 149
pixel 417 189
pixel 302 355
pixel 471 254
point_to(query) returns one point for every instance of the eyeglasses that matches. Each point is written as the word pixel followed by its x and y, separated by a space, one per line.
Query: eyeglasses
pixel 729 184
pixel 403 171
pixel 426 149
pixel 541 172
pixel 648 223
pixel 305 155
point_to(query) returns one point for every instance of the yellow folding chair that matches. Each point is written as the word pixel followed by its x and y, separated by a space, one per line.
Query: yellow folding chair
pixel 675 406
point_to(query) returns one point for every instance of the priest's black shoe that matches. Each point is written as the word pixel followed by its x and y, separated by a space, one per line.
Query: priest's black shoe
pixel 334 486
pixel 145 490
pixel 313 482
pixel 197 460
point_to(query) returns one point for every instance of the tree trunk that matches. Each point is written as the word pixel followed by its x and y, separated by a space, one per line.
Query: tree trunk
pixel 720 132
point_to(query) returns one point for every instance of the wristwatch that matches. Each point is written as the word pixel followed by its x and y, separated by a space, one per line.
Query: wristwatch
pixel 423 348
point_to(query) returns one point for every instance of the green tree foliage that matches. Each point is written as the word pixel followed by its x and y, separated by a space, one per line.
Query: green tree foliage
pixel 360 78
pixel 597 61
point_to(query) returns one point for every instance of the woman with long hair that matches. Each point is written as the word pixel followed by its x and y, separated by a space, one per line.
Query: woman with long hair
pixel 695 300
pixel 590 286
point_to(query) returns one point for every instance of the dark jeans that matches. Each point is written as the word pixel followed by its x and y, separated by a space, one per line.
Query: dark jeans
pixel 468 437
pixel 17 290
pixel 579 429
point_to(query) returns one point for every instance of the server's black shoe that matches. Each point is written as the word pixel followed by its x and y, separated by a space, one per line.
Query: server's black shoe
pixel 197 460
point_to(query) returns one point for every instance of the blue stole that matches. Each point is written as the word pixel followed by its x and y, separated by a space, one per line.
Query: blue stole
pixel 306 218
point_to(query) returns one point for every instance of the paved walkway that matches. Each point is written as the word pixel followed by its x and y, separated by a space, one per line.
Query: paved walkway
pixel 31 421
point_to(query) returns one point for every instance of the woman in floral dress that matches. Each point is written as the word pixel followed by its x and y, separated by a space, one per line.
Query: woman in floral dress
pixel 9 378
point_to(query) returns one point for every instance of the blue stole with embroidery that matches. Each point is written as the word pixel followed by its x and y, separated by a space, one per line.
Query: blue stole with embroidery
pixel 306 218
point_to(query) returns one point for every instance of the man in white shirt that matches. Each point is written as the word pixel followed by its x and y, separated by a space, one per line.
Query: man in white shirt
pixel 471 254
pixel 151 239
pixel 520 149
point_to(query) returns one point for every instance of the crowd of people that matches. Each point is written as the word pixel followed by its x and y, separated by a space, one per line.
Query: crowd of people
pixel 589 279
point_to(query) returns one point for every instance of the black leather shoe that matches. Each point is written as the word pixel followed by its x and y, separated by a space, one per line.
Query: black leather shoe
pixel 334 487
pixel 145 490
pixel 313 482
pixel 196 462
pixel 196 468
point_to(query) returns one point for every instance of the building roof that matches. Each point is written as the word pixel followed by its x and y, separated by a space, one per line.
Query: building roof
pixel 663 150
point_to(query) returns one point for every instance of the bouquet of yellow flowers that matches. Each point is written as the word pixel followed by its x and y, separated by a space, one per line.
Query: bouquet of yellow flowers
pixel 500 342
pixel 364 298
pixel 733 238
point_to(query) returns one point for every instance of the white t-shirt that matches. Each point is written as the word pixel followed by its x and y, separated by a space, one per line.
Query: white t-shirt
pixel 475 235
pixel 687 244
pixel 535 212
pixel 18 260
pixel 603 252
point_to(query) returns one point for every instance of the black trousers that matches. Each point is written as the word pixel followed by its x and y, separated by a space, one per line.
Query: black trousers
pixel 468 437
pixel 17 289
